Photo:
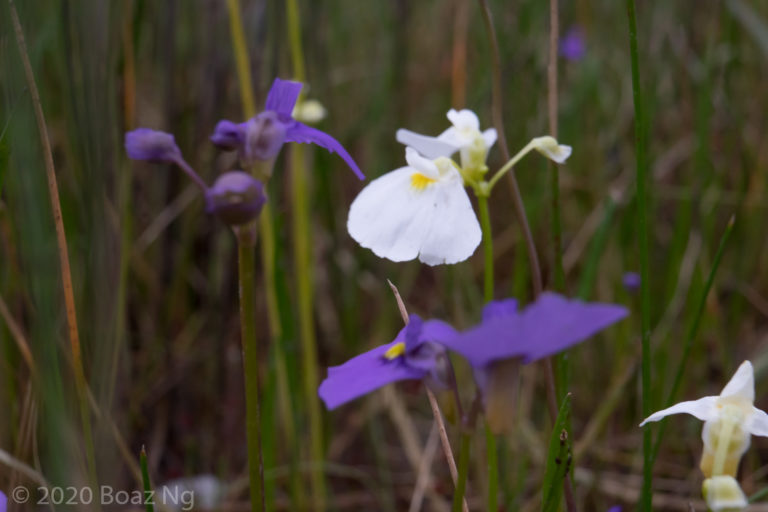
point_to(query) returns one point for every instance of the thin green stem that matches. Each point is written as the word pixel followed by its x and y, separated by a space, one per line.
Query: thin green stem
pixel 302 239
pixel 490 439
pixel 461 483
pixel 692 331
pixel 642 235
pixel 246 256
pixel 267 231
pixel 510 164
pixel 149 503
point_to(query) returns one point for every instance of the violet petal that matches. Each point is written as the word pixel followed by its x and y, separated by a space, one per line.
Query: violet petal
pixel 362 374
pixel 497 308
pixel 303 134
pixel 549 325
pixel 282 96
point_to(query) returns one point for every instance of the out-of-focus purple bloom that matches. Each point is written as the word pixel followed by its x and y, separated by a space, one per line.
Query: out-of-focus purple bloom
pixel 631 281
pixel 152 146
pixel 236 197
pixel 3 502
pixel 416 353
pixel 573 46
pixel 545 327
pixel 262 137
pixel 227 135
pixel 615 508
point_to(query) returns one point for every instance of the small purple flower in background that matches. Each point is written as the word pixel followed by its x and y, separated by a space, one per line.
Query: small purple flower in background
pixel 3 502
pixel 573 46
pixel 261 137
pixel 416 353
pixel 236 197
pixel 152 146
pixel 615 508
pixel 631 281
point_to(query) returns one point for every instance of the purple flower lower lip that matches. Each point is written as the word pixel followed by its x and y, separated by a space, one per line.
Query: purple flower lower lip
pixel 387 363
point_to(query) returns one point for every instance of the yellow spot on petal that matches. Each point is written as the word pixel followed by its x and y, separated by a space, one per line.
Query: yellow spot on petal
pixel 419 181
pixel 395 351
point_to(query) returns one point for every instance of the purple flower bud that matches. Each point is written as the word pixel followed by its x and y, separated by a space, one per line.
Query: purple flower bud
pixel 152 146
pixel 264 136
pixel 573 46
pixel 631 281
pixel 228 135
pixel 236 197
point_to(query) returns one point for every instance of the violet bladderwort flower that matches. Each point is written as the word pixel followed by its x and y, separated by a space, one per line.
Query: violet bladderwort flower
pixel 236 197
pixel 551 324
pixel 573 45
pixel 415 354
pixel 729 421
pixel 3 502
pixel 261 137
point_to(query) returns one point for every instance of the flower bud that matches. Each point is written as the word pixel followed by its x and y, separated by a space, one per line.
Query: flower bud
pixel 264 136
pixel 723 494
pixel 549 147
pixel 473 157
pixel 236 197
pixel 227 135
pixel 152 146
pixel 631 281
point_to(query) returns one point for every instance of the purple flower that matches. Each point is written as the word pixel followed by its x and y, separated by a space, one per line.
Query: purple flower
pixel 573 45
pixel 3 502
pixel 545 327
pixel 631 281
pixel 152 146
pixel 615 508
pixel 261 137
pixel 236 197
pixel 416 353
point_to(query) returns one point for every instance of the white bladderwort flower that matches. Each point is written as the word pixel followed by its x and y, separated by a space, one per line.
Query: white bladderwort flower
pixel 421 210
pixel 550 148
pixel 729 419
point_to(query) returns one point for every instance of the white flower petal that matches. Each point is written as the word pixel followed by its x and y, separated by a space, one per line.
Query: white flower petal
pixel 430 147
pixel 464 119
pixel 489 136
pixel 550 148
pixel 399 222
pixel 454 231
pixel 757 424
pixel 742 384
pixel 703 408
pixel 425 166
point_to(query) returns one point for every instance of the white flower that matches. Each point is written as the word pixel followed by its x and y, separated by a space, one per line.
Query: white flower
pixel 723 494
pixel 461 136
pixel 729 419
pixel 309 111
pixel 550 148
pixel 421 210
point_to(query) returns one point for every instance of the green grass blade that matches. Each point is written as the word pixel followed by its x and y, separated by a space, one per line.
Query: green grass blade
pixel 558 459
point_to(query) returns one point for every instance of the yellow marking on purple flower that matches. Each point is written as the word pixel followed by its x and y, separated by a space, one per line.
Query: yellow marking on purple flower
pixel 395 351
pixel 419 181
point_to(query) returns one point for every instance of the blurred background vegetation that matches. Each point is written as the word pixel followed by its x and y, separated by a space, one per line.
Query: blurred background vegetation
pixel 156 278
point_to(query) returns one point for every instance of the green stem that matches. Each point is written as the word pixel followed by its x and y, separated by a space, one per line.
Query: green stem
pixel 510 164
pixel 246 256
pixel 302 239
pixel 642 235
pixel 694 329
pixel 145 479
pixel 490 439
pixel 461 482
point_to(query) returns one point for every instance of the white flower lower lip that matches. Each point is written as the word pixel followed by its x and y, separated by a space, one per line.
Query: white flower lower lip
pixel 419 211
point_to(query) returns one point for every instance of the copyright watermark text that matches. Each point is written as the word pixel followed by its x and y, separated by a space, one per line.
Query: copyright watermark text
pixel 174 497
